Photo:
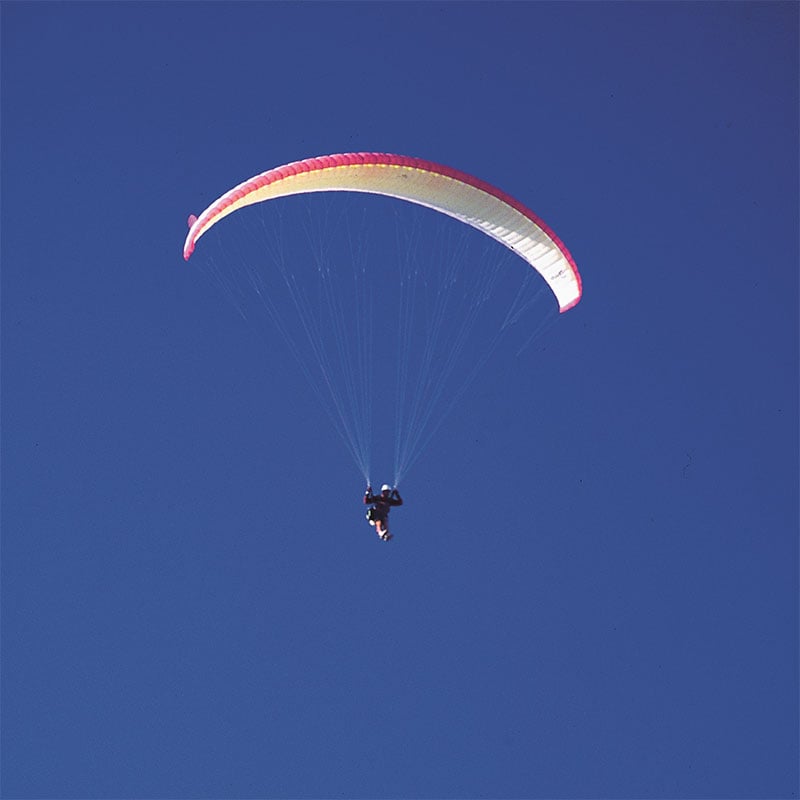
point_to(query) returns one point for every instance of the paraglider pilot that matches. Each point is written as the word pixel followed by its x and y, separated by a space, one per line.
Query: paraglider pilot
pixel 381 504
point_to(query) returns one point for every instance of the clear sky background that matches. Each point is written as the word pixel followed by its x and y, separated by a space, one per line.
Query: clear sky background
pixel 593 587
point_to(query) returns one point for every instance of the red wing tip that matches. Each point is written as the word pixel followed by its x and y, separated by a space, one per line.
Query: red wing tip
pixel 188 248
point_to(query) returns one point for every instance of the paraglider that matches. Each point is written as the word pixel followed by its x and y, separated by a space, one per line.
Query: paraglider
pixel 380 506
pixel 337 361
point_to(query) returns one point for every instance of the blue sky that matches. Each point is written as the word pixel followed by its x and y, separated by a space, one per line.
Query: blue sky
pixel 593 587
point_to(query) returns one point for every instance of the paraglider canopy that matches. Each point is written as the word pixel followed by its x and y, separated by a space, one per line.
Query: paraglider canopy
pixel 441 188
